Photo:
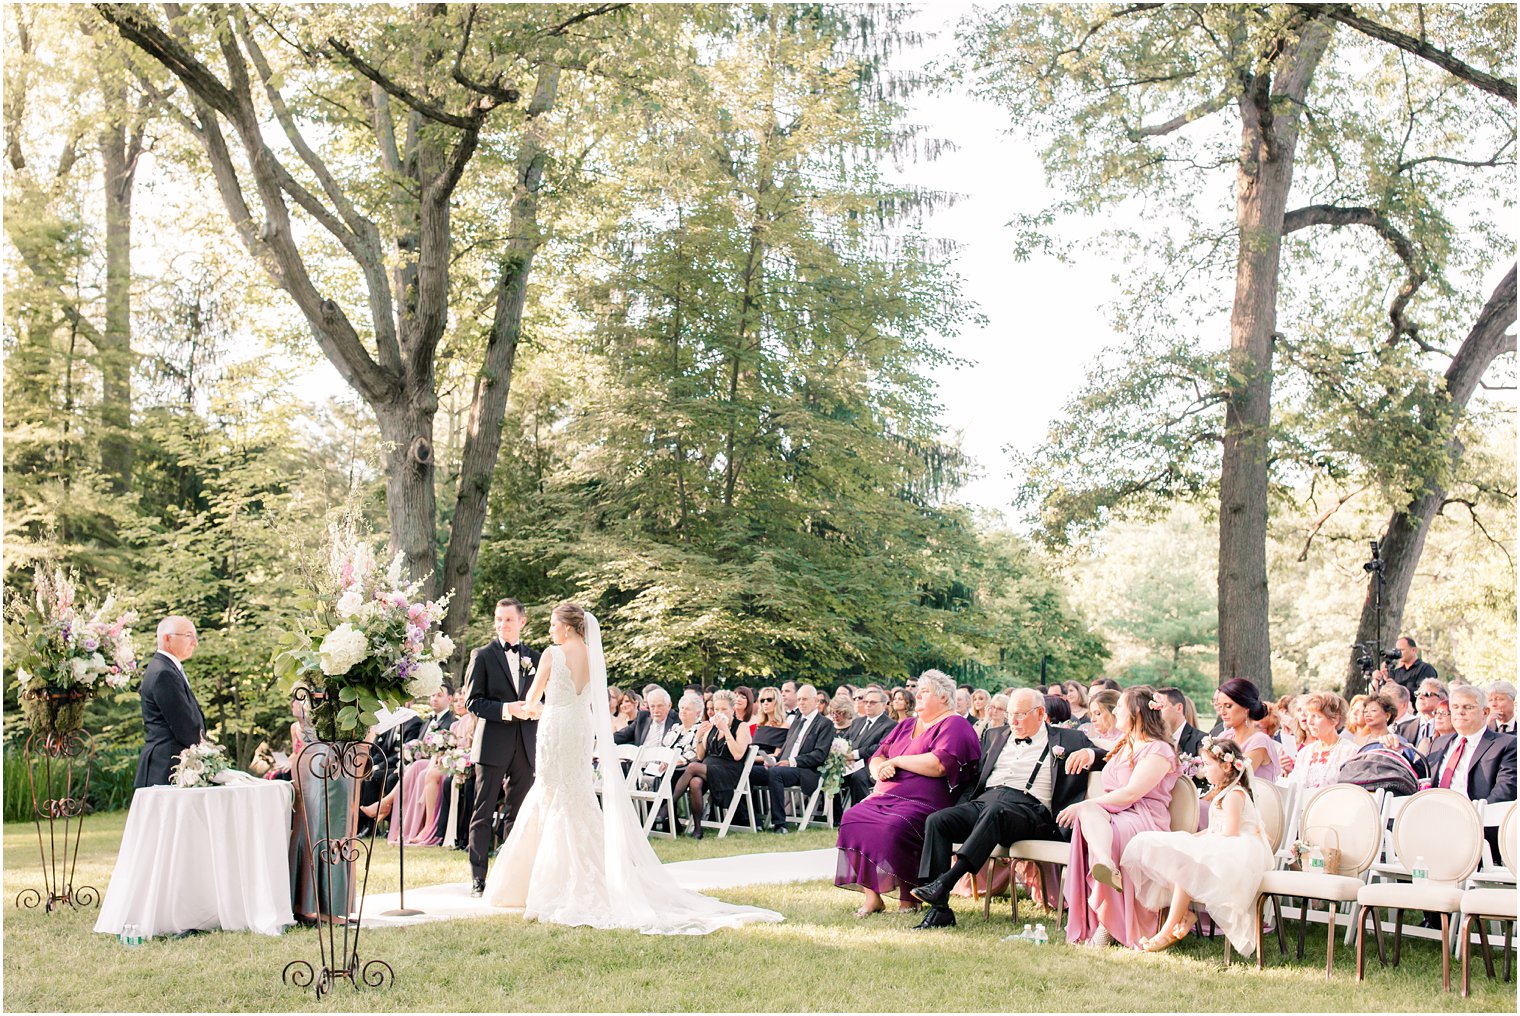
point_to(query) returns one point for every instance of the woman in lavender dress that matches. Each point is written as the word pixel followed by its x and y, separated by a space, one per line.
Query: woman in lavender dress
pixel 1137 797
pixel 921 767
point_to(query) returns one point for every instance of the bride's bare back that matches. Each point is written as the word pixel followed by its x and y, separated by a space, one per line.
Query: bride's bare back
pixel 574 651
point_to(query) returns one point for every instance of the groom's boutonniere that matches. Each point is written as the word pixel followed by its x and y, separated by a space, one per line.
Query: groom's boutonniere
pixel 527 665
pixel 1058 751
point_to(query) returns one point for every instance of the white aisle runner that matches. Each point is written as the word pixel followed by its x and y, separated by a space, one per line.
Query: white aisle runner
pixel 444 902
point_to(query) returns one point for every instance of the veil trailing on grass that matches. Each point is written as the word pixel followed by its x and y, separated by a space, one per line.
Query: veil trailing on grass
pixel 642 893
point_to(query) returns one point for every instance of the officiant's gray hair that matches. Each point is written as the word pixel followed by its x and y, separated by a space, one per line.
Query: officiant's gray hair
pixel 943 686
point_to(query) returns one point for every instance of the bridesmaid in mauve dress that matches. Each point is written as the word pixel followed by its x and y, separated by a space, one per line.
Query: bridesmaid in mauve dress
pixel 1137 796
pixel 881 838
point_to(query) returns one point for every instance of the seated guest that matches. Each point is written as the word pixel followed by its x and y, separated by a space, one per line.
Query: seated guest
pixel 1353 728
pixel 997 718
pixel 1221 868
pixel 978 716
pixel 1076 700
pixel 963 703
pixel 1476 762
pixel 1240 711
pixel 900 705
pixel 1057 711
pixel 1100 684
pixel 801 756
pixel 1031 770
pixel 1377 711
pixel 721 747
pixel 1431 693
pixel 769 728
pixel 690 776
pixel 744 705
pixel 1101 728
pixel 1137 797
pixel 418 788
pixel 650 725
pixel 1181 719
pixel 919 768
pixel 615 704
pixel 1319 761
pixel 1406 719
pixel 385 772
pixel 1501 707
pixel 865 736
pixel 1442 718
pixel 1289 734
pixel 841 713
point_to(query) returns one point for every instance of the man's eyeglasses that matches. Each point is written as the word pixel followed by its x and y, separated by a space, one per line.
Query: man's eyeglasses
pixel 1018 717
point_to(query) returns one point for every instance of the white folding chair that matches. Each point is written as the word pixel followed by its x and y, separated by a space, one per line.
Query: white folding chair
pixel 806 807
pixel 1441 827
pixel 625 753
pixel 1494 871
pixel 741 795
pixel 1343 817
pixel 1493 903
pixel 649 801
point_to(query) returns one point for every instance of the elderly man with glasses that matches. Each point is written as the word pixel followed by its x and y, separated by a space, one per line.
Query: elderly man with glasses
pixel 172 718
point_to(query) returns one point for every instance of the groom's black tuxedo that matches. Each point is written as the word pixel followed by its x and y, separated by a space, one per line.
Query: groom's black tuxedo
pixel 172 720
pixel 503 746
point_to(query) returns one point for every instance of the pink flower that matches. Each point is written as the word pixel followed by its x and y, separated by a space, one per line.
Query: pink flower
pixel 417 614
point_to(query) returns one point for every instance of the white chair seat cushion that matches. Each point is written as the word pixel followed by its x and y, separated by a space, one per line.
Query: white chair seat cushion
pixel 1489 902
pixel 1411 896
pixel 1049 851
pixel 1303 883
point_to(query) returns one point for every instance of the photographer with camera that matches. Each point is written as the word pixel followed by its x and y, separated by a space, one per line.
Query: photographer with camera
pixel 1409 670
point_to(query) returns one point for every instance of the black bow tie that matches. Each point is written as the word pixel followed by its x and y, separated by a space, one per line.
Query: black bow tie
pixel 1023 740
pixel 512 647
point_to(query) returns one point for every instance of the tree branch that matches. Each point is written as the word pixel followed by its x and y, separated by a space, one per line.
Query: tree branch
pixel 1319 523
pixel 1198 112
pixel 1337 216
pixel 1504 88
pixel 431 110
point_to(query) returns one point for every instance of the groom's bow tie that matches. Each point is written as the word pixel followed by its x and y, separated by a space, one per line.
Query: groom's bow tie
pixel 512 647
pixel 1023 740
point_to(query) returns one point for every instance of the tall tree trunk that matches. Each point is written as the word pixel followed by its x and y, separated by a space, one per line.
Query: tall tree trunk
pixel 1404 538
pixel 406 427
pixel 119 159
pixel 1269 138
pixel 494 382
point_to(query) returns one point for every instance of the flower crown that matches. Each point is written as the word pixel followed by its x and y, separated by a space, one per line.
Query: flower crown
pixel 1226 754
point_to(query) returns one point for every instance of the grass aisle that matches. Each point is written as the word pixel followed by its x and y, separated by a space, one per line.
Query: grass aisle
pixel 820 959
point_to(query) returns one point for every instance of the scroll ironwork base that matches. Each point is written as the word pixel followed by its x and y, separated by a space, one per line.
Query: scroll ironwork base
pixel 58 778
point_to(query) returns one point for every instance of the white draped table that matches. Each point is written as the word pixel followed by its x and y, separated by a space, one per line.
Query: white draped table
pixel 203 859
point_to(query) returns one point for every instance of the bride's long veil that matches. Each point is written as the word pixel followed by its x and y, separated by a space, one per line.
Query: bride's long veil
pixel 643 894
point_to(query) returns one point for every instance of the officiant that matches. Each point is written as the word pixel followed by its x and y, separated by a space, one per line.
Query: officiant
pixel 172 718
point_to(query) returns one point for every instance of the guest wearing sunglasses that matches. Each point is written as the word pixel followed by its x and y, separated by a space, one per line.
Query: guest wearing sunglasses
pixel 769 728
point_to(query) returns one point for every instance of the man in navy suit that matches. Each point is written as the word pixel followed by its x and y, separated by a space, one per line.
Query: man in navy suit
pixel 500 672
pixel 172 719
pixel 1476 762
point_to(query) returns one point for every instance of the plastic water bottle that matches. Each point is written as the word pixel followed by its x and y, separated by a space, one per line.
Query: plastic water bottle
pixel 130 935
pixel 1041 937
pixel 1024 936
pixel 1316 860
pixel 1419 872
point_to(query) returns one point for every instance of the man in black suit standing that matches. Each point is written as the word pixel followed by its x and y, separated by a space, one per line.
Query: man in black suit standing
pixel 1172 702
pixel 865 736
pixel 499 673
pixel 802 754
pixel 1030 772
pixel 172 719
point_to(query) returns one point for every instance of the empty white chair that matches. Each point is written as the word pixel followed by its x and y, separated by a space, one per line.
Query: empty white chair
pixel 1341 817
pixel 1492 903
pixel 1439 831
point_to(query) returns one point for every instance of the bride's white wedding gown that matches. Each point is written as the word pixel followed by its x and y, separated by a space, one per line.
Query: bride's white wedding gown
pixel 566 862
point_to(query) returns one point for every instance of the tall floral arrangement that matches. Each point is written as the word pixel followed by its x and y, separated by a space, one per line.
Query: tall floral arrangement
pixel 369 641
pixel 65 652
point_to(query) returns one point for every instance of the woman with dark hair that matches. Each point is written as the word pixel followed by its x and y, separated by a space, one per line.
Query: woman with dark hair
pixel 1076 698
pixel 1377 713
pixel 744 704
pixel 1240 711
pixel 1137 796
pixel 1058 711
pixel 900 705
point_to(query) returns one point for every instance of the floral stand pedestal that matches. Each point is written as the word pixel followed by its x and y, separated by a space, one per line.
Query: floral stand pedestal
pixel 58 755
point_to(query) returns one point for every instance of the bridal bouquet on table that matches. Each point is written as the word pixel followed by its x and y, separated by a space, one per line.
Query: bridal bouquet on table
pixel 370 641
pixel 65 652
pixel 206 765
pixel 834 766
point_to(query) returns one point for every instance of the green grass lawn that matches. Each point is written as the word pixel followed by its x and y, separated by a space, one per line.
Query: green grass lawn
pixel 821 958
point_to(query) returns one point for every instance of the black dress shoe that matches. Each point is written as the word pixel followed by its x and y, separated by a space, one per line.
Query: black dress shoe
pixel 780 830
pixel 937 892
pixel 478 887
pixel 937 917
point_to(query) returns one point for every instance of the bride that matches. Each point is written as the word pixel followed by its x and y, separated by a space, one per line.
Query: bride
pixel 568 861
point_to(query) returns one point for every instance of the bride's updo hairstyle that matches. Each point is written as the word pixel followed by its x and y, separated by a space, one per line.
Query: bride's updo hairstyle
pixel 572 614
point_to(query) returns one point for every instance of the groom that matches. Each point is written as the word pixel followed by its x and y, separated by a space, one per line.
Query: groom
pixel 498 674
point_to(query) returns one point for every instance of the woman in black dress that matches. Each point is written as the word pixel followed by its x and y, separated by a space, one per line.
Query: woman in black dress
pixel 721 746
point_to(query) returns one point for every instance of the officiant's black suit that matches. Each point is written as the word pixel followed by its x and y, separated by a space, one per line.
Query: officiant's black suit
pixel 997 817
pixel 506 745
pixel 172 720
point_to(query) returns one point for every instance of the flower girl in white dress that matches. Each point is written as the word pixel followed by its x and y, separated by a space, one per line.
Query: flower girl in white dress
pixel 1220 867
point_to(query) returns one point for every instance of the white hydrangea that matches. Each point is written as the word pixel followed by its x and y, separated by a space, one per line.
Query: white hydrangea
pixel 350 603
pixel 443 646
pixel 343 647
pixel 81 668
pixel 426 679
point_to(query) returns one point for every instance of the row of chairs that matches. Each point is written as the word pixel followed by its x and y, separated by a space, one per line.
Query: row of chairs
pixel 651 797
pixel 1377 835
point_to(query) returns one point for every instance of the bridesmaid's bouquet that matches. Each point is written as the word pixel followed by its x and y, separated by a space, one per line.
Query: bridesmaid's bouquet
pixel 1192 768
pixel 370 640
pixel 430 745
pixel 455 760
pixel 834 766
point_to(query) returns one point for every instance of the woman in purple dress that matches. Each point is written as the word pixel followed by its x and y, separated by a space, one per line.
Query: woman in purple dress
pixel 1137 797
pixel 921 767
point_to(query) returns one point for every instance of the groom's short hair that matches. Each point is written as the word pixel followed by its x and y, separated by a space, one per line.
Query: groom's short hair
pixel 516 605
